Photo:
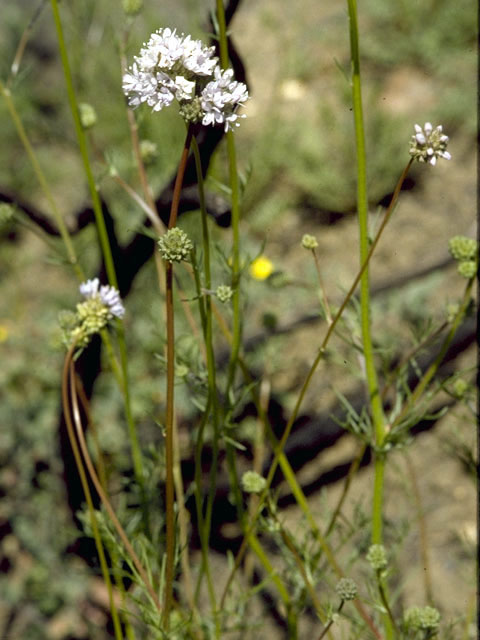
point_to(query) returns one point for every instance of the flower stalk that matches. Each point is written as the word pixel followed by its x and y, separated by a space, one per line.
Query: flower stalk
pixel 170 401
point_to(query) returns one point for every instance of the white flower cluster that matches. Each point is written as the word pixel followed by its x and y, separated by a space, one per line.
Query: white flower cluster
pixel 428 144
pixel 109 296
pixel 172 67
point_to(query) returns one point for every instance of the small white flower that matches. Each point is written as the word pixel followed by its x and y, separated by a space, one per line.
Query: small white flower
pixel 167 68
pixel 109 296
pixel 184 89
pixel 221 97
pixel 89 289
pixel 428 144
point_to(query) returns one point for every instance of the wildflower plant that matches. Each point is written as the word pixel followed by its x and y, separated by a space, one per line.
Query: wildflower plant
pixel 216 443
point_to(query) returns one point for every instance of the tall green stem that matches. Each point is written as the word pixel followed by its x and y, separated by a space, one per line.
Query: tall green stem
pixel 376 407
pixel 236 311
pixel 211 370
pixel 362 207
pixel 235 208
pixel 170 406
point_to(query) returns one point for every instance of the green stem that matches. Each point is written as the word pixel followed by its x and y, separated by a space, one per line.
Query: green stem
pixel 105 247
pixel 370 372
pixel 206 317
pixel 170 406
pixel 211 371
pixel 330 623
pixel 384 598
pixel 82 144
pixel 204 567
pixel 235 208
pixel 236 310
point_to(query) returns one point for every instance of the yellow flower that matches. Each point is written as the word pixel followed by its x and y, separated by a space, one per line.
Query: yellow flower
pixel 261 268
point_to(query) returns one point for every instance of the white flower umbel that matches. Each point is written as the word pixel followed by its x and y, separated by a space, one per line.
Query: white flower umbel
pixel 428 144
pixel 167 68
pixel 220 99
pixel 171 67
pixel 109 296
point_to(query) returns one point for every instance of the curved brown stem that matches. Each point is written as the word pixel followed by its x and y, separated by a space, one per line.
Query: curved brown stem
pixel 71 410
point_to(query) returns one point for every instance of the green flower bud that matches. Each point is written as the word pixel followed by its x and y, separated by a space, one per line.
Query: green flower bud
pixel 429 618
pixel 412 618
pixel 377 557
pixel 148 152
pixel 467 268
pixel 224 292
pixel 425 618
pixel 88 115
pixel 67 319
pixel 309 242
pixel 132 7
pixel 181 370
pixel 346 589
pixel 452 310
pixel 462 248
pixel 7 211
pixel 252 482
pixel 175 245
pixel 460 387
pixel 192 111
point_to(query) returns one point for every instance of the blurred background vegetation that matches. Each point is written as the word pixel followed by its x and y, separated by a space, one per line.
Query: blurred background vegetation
pixel 296 155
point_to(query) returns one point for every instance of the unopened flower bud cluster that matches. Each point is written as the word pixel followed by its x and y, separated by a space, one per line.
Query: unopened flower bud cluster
pixel 377 557
pixel 175 245
pixel 224 293
pixel 88 115
pixel 252 482
pixel 101 304
pixel 309 242
pixel 464 250
pixel 428 144
pixel 175 67
pixel 346 589
pixel 421 618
